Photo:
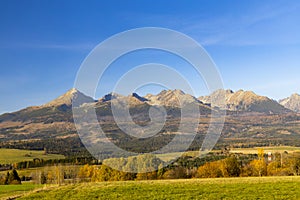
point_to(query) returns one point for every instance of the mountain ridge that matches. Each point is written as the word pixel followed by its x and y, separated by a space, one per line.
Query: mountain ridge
pixel 235 101
pixel 246 101
pixel 39 125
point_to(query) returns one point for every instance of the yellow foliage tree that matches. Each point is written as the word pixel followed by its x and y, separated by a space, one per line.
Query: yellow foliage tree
pixel 210 170
pixel 259 166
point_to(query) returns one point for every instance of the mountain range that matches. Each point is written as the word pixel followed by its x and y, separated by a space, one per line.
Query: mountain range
pixel 243 101
pixel 251 118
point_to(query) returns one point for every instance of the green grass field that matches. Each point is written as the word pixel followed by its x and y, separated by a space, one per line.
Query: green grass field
pixel 222 188
pixel 8 156
pixel 15 190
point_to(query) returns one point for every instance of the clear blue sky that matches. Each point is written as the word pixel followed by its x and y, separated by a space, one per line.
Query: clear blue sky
pixel 255 44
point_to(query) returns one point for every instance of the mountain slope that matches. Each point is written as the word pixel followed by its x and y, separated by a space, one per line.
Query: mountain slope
pixel 292 102
pixel 51 120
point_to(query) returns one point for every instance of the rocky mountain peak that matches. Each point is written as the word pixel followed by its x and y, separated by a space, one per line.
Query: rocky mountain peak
pixel 132 99
pixel 295 95
pixel 292 102
pixel 245 101
pixel 171 98
pixel 110 96
pixel 135 95
pixel 67 99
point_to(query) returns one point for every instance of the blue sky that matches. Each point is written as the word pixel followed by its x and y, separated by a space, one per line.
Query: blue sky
pixel 255 44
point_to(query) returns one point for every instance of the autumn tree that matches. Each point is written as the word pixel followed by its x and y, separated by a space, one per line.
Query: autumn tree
pixel 259 166
pixel 210 170
pixel 175 173
pixel 147 176
pixel 294 164
pixel 59 175
pixel 230 167
pixel 86 172
pixel 277 166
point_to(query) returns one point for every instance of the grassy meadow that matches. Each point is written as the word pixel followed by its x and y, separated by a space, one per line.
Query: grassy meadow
pixel 253 150
pixel 274 149
pixel 8 156
pixel 221 188
pixel 7 191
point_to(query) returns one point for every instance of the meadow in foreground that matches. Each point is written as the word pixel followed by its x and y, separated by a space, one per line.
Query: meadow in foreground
pixel 220 188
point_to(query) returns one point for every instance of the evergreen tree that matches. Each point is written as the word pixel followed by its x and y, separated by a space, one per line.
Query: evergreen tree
pixel 43 178
pixel 13 177
pixel 6 178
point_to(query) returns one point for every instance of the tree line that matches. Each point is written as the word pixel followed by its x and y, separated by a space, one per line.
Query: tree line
pixel 234 165
pixel 37 162
pixel 151 168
